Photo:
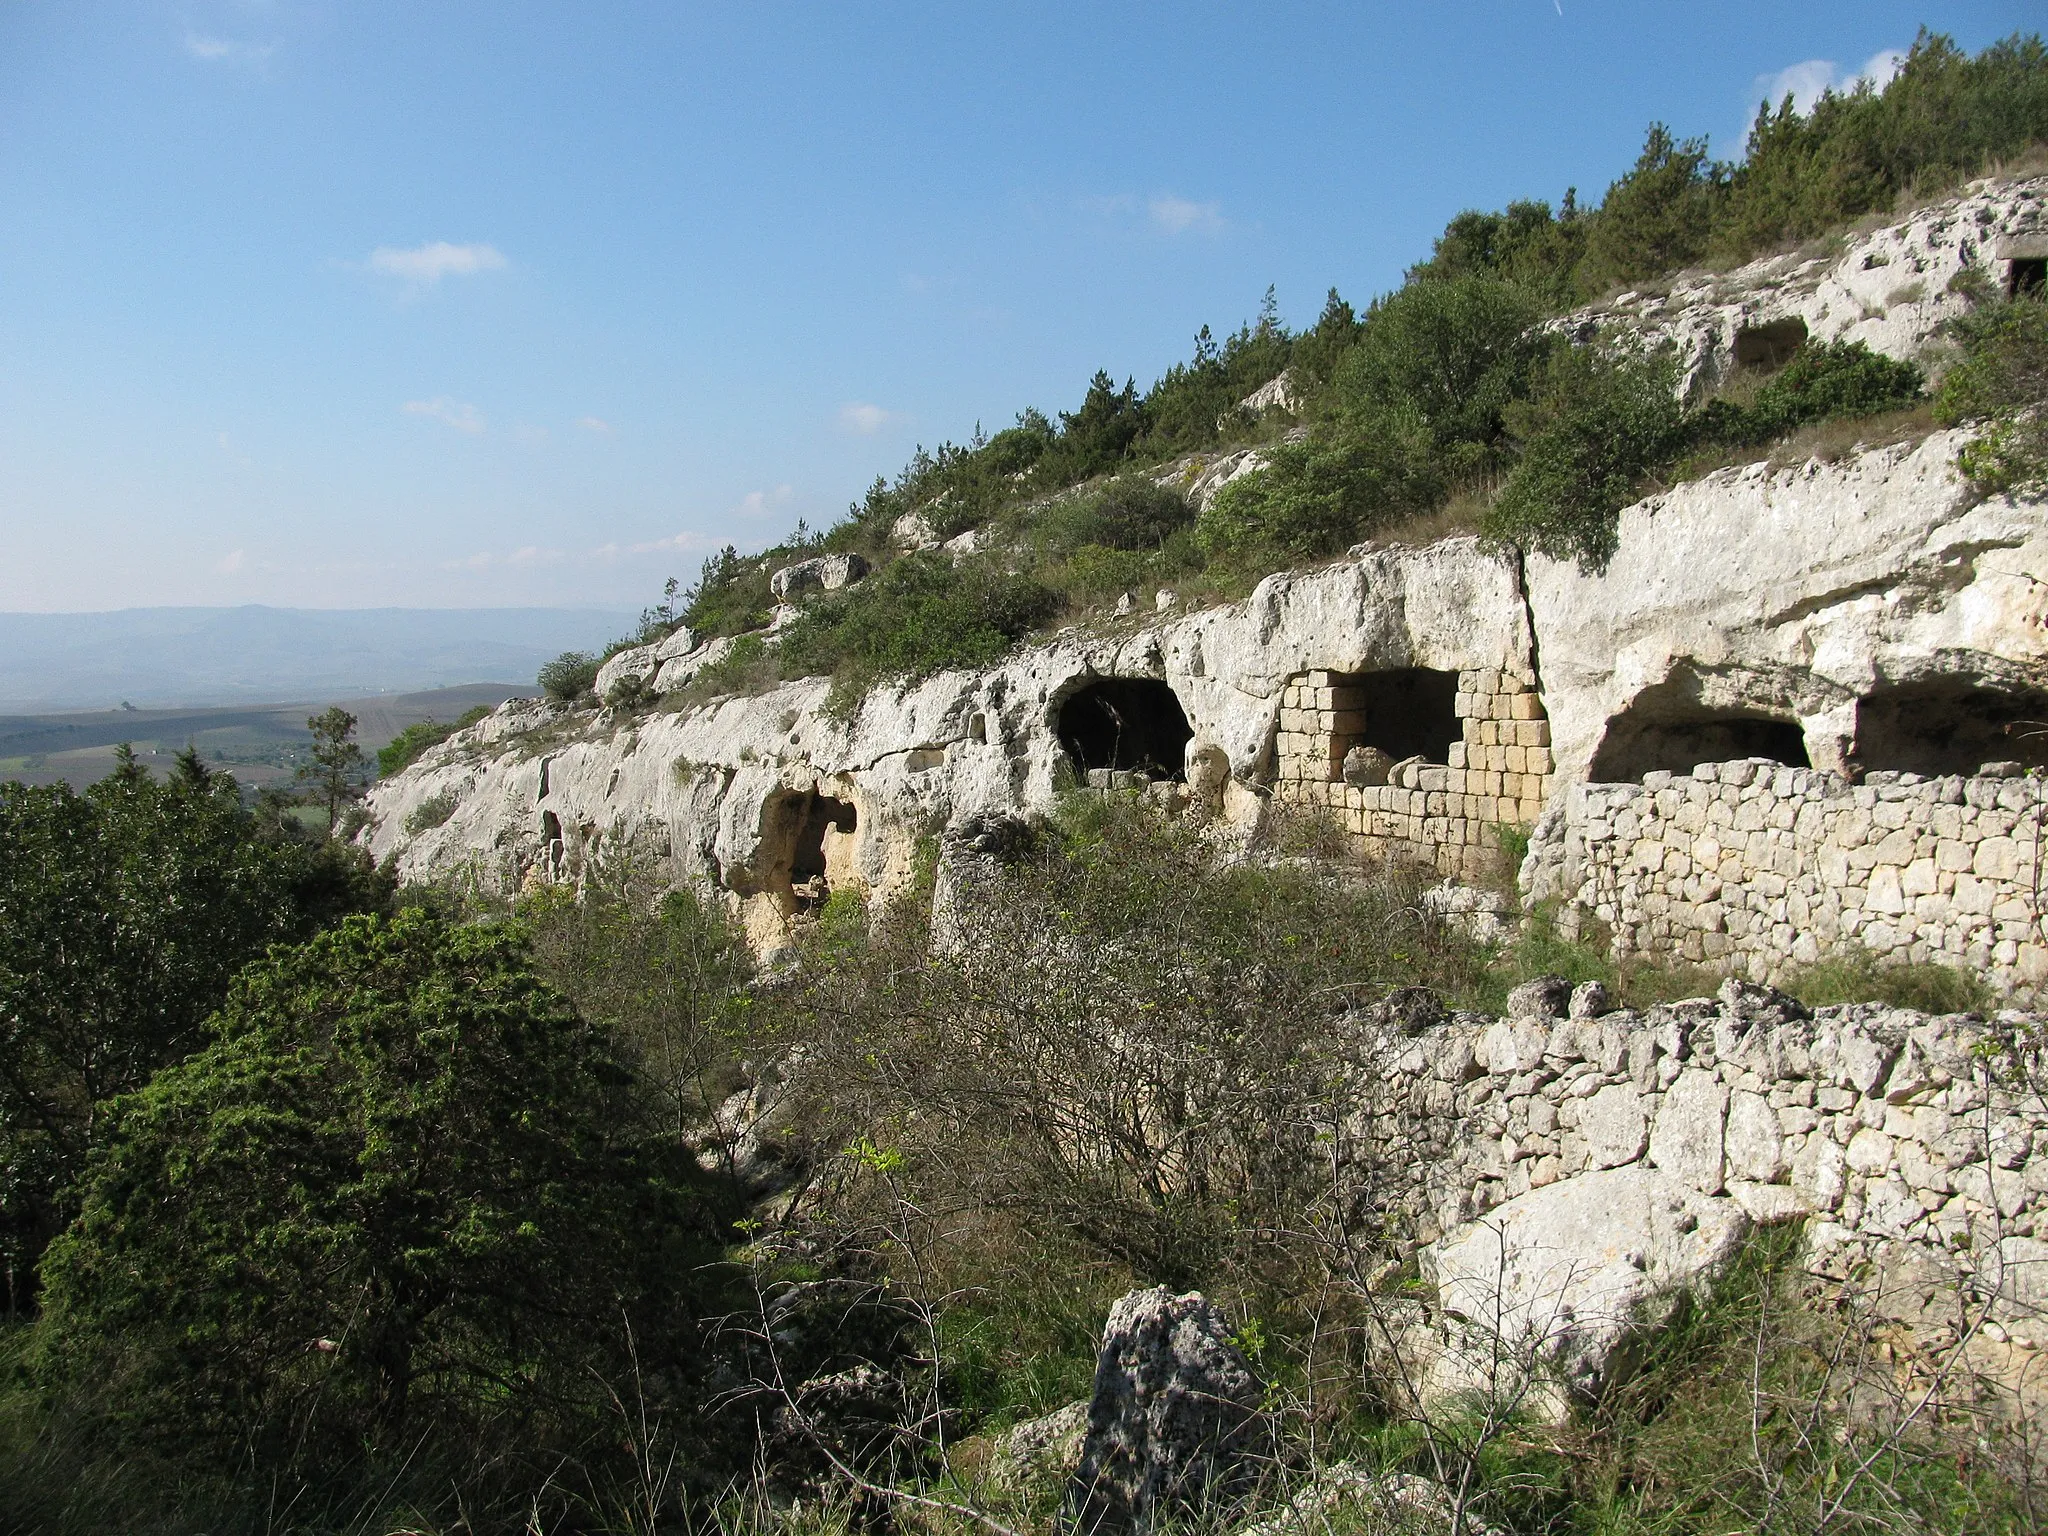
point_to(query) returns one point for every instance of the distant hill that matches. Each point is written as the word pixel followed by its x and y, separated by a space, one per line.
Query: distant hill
pixel 260 744
pixel 174 657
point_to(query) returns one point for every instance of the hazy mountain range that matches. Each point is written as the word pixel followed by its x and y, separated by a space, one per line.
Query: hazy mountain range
pixel 182 656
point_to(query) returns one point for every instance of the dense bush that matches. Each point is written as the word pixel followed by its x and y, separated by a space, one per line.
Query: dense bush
pixel 568 677
pixel 125 912
pixel 664 973
pixel 2002 383
pixel 393 1204
pixel 410 744
pixel 1600 425
pixel 918 615
pixel 1315 498
pixel 1120 1043
pixel 1128 513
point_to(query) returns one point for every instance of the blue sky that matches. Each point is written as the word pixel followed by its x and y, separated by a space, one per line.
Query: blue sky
pixel 460 304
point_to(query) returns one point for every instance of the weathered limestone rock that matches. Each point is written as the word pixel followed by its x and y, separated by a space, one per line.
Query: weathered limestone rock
pixel 1688 1140
pixel 1615 1128
pixel 1543 1293
pixel 1889 288
pixel 1040 1450
pixel 1546 997
pixel 822 573
pixel 1174 1417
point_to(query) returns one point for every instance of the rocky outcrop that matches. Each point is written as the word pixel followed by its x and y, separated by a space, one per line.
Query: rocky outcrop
pixel 822 573
pixel 1174 1419
pixel 1893 288
pixel 755 795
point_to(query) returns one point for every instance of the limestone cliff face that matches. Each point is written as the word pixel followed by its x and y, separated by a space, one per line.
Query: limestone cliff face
pixel 1861 615
pixel 1794 595
pixel 1892 288
pixel 760 795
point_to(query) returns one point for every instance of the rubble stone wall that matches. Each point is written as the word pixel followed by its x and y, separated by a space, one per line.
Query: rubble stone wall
pixel 1573 1170
pixel 1758 868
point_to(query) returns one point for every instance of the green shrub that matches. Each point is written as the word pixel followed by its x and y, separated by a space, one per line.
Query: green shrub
pixel 1128 513
pixel 393 1205
pixel 407 747
pixel 915 616
pixel 569 676
pixel 1824 380
pixel 125 912
pixel 1315 498
pixel 431 812
pixel 2002 382
pixel 1596 430
pixel 1453 354
pixel 731 595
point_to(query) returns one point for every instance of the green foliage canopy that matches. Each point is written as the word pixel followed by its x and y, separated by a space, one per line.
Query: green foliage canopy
pixel 394 1200
pixel 125 912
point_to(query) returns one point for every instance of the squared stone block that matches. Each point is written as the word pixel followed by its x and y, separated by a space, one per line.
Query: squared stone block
pixel 1525 706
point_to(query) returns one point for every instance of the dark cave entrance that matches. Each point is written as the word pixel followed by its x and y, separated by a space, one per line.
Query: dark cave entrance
pixel 815 815
pixel 2026 277
pixel 1950 725
pixel 1647 740
pixel 1409 712
pixel 1126 724
pixel 1769 346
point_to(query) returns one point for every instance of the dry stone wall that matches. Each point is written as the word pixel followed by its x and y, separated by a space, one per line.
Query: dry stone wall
pixel 1575 1173
pixel 1496 774
pixel 1752 866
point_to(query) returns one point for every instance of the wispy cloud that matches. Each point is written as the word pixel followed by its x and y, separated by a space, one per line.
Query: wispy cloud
pixel 1806 81
pixel 458 414
pixel 763 503
pixel 1179 215
pixel 1167 213
pixel 231 562
pixel 425 265
pixel 595 425
pixel 225 50
pixel 866 419
pixel 686 542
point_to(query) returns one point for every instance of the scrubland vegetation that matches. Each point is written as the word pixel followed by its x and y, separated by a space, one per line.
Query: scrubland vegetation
pixel 552 1217
pixel 1447 405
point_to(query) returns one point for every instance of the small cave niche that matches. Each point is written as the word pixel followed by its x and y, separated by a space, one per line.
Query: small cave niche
pixel 2026 277
pixel 1409 712
pixel 810 820
pixel 1126 724
pixel 1950 725
pixel 551 847
pixel 1648 739
pixel 1769 345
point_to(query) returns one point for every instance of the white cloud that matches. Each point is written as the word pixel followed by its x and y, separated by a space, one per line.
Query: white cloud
pixel 222 50
pixel 1178 215
pixel 865 419
pixel 233 561
pixel 455 413
pixel 595 424
pixel 762 503
pixel 1806 81
pixel 425 265
pixel 685 542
